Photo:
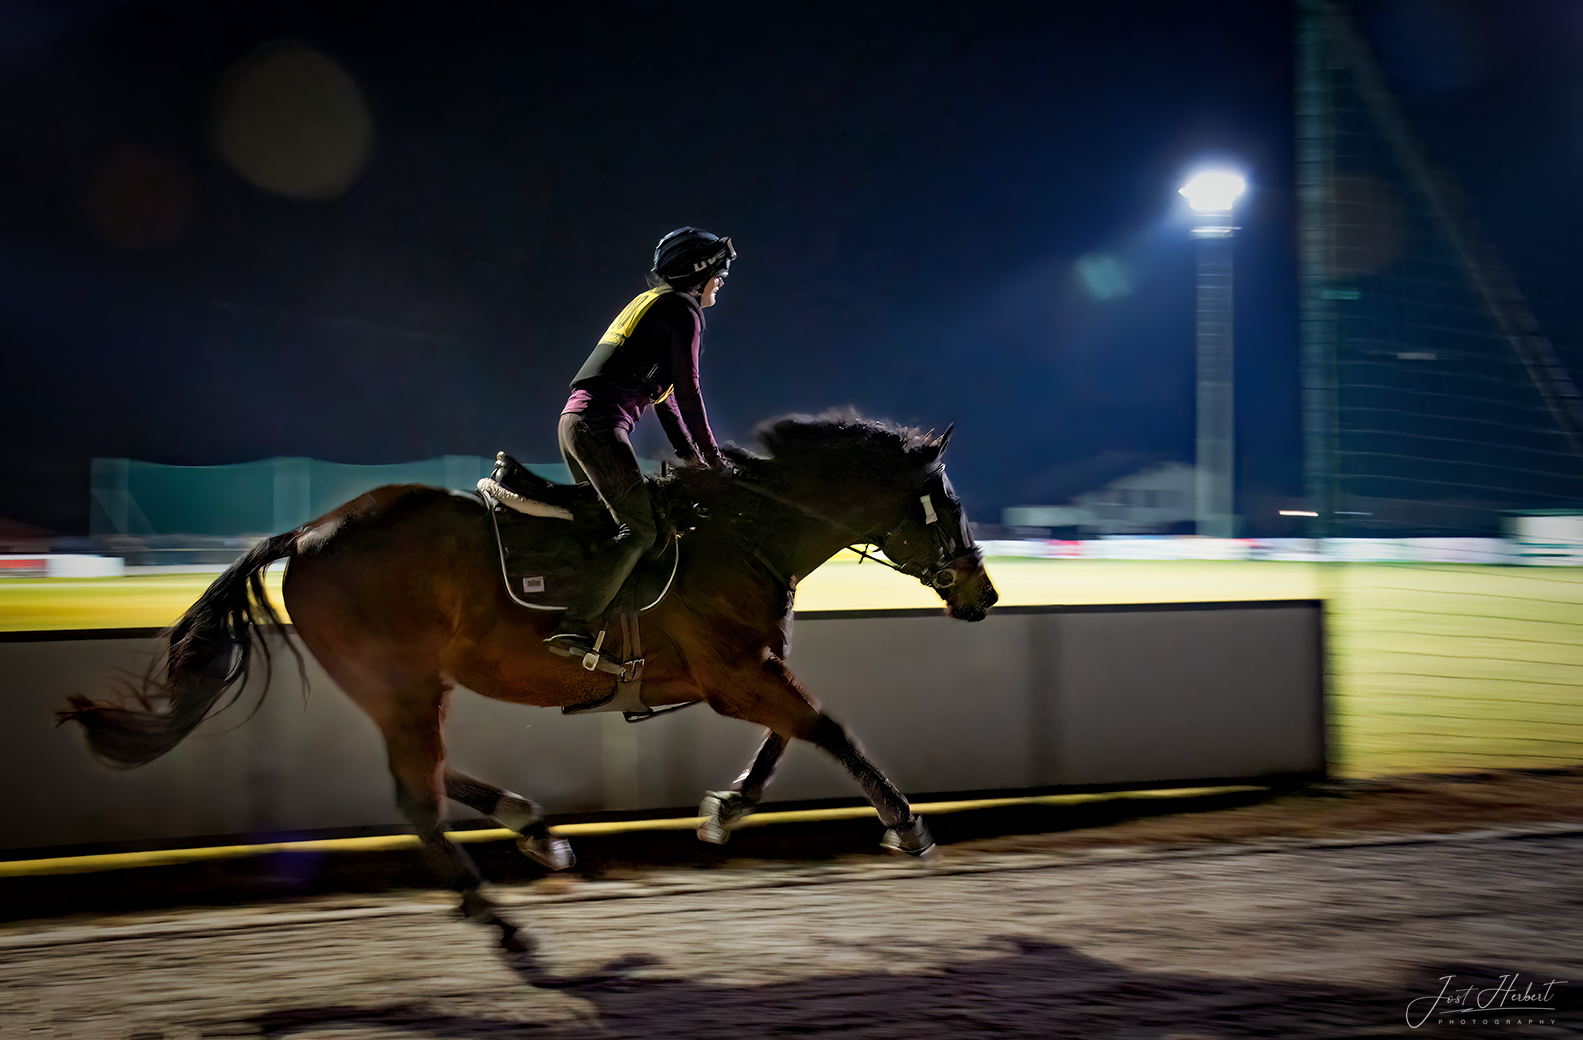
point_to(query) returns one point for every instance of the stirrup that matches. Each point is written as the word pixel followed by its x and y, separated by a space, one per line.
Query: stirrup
pixel 575 646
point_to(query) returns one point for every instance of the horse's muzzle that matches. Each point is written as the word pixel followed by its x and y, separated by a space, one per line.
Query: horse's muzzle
pixel 970 598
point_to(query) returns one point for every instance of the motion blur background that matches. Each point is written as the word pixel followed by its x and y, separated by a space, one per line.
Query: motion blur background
pixel 294 239
pixel 384 232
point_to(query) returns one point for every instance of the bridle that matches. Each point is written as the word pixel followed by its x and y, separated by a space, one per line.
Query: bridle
pixel 939 574
pixel 939 570
pixel 951 548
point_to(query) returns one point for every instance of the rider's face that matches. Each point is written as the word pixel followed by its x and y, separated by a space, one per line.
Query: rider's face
pixel 707 297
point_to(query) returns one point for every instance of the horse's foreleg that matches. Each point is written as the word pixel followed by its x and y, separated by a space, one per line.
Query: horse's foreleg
pixel 721 809
pixel 776 700
pixel 515 813
pixel 904 831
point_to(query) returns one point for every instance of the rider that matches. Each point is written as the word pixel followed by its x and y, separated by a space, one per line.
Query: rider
pixel 649 355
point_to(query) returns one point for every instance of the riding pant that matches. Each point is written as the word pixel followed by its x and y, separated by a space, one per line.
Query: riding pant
pixel 600 454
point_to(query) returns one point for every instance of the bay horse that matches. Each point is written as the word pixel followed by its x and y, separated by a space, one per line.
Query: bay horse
pixel 399 594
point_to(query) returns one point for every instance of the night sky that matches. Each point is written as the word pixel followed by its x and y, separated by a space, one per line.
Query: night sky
pixel 913 189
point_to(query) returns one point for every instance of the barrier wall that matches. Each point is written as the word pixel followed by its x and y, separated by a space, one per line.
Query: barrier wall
pixel 1032 698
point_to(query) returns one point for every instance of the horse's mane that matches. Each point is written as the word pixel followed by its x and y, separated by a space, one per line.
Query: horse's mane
pixel 838 445
pixel 795 437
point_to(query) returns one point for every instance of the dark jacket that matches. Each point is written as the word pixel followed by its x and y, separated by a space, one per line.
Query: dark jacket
pixel 649 356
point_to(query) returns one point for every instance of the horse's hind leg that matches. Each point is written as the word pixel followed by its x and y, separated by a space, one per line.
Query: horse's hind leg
pixel 722 809
pixel 515 813
pixel 411 723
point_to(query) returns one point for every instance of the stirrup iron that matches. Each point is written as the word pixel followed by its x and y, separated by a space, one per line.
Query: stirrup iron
pixel 591 658
pixel 599 660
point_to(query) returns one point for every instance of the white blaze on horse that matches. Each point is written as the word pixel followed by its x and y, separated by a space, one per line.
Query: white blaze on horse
pixel 400 595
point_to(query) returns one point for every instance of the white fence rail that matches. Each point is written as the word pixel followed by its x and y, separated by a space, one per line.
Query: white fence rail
pixel 1032 698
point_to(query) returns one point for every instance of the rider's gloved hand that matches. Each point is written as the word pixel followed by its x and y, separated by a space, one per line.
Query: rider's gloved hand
pixel 715 461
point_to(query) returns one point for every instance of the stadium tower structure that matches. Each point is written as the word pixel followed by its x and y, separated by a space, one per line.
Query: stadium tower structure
pixel 1433 405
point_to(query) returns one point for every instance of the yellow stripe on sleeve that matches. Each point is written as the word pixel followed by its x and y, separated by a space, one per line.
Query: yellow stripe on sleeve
pixel 629 317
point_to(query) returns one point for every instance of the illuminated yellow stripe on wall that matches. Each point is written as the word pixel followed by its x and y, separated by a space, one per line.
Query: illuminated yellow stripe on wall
pixel 398 842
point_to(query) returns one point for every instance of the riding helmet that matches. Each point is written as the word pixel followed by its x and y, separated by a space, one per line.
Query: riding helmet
pixel 689 256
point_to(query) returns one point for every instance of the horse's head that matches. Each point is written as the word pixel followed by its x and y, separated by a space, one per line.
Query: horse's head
pixel 875 483
pixel 930 540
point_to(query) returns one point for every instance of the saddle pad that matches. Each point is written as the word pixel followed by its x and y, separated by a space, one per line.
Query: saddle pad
pixel 543 560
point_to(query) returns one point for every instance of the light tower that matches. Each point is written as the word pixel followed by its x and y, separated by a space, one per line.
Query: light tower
pixel 1212 195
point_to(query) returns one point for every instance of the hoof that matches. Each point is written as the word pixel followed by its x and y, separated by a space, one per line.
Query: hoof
pixel 514 939
pixel 480 909
pixel 911 838
pixel 720 810
pixel 549 853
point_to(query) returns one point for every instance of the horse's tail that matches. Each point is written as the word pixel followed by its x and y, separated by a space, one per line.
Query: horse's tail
pixel 210 649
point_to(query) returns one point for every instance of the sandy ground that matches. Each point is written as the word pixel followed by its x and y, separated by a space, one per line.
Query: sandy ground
pixel 1326 914
pixel 1425 804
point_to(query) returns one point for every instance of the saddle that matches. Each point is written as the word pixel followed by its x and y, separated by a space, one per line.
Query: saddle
pixel 545 533
pixel 542 555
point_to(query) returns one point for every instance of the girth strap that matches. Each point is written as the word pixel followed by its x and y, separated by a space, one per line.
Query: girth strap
pixel 627 697
pixel 632 636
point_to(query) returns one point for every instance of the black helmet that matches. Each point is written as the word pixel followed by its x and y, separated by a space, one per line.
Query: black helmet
pixel 689 256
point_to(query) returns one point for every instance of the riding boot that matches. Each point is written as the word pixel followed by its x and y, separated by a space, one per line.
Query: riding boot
pixel 607 570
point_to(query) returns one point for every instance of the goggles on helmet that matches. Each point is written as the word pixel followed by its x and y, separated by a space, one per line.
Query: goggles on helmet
pixel 691 251
pixel 724 255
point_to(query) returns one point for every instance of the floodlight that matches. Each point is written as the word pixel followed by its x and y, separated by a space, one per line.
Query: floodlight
pixel 1213 191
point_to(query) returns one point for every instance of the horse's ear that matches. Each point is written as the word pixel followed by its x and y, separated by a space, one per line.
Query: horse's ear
pixel 935 449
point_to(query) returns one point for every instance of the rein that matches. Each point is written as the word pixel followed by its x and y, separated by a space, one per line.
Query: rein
pixel 789 580
pixel 804 510
pixel 939 576
pixel 878 559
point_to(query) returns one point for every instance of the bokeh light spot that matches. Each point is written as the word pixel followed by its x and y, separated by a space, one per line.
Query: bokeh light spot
pixel 291 121
pixel 1103 276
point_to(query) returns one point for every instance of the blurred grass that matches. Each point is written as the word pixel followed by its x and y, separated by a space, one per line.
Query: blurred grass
pixel 849 584
pixel 1433 668
pixel 136 601
pixel 1444 668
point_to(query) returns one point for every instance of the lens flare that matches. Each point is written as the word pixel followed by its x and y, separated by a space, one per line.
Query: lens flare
pixel 291 121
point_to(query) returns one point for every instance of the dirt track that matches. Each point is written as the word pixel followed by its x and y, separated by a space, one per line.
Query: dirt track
pixel 1230 935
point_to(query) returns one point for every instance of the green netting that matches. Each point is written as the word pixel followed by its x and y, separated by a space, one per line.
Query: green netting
pixel 257 498
pixel 1431 409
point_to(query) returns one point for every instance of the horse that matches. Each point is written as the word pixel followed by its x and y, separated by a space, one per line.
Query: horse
pixel 399 595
